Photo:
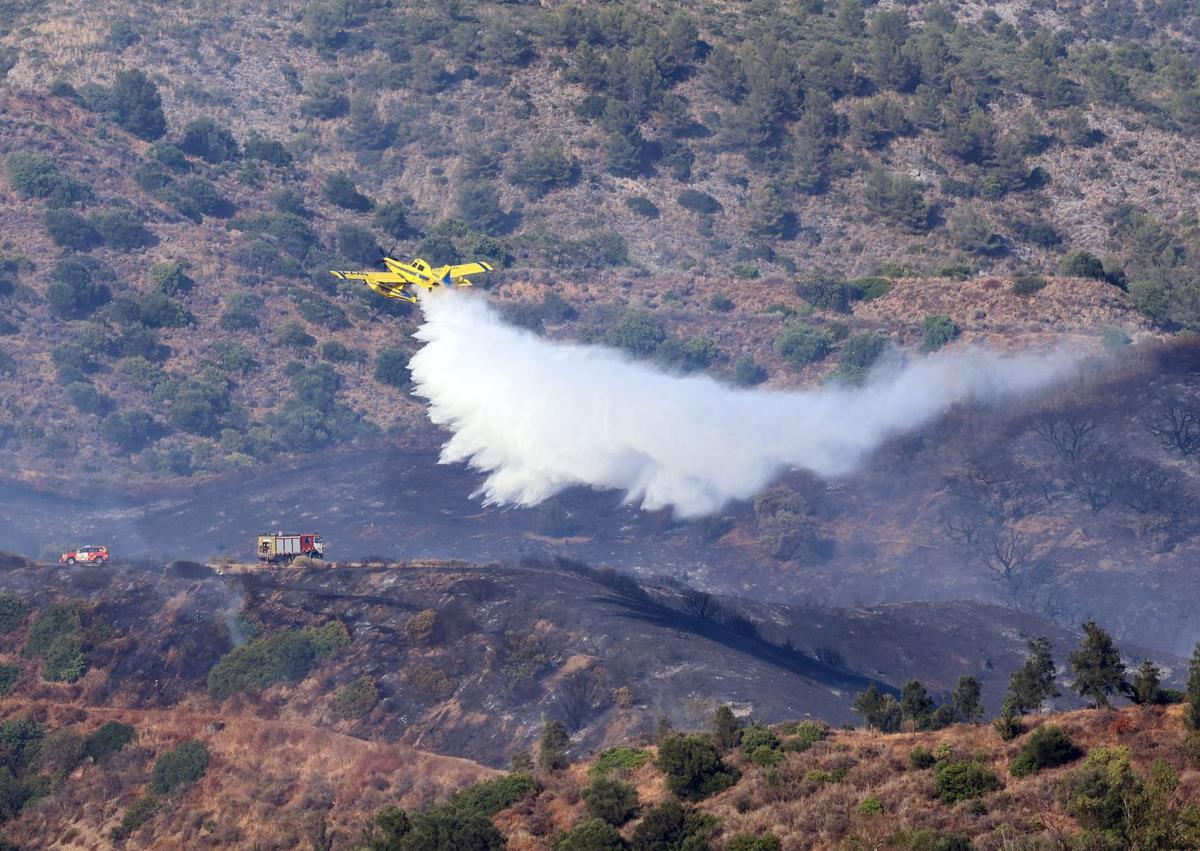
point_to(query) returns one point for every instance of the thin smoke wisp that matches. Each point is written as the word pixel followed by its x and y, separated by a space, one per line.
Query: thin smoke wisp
pixel 538 416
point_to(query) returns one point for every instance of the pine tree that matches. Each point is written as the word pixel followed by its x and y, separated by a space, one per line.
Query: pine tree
pixel 915 703
pixel 967 700
pixel 1146 682
pixel 1097 665
pixel 726 728
pixel 555 741
pixel 1033 683
pixel 1191 712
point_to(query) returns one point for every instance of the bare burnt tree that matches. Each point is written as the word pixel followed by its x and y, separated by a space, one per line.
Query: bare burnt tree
pixel 997 485
pixel 1068 431
pixel 1001 551
pixel 1176 424
pixel 579 696
pixel 1148 487
pixel 701 605
pixel 1095 479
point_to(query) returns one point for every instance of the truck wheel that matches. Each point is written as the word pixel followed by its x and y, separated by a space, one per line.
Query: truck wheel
pixel 70 561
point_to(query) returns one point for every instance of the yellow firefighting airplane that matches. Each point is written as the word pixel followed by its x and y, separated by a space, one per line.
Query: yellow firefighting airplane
pixel 397 280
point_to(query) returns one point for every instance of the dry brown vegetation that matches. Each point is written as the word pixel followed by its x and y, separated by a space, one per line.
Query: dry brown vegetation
pixel 807 813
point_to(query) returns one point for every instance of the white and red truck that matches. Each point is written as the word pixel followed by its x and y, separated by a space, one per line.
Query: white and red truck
pixel 281 547
pixel 85 555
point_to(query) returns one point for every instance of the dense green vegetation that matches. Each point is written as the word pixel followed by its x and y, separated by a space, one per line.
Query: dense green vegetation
pixel 746 127
pixel 283 656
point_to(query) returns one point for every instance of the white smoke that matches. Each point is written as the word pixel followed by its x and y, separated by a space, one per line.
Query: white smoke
pixel 539 416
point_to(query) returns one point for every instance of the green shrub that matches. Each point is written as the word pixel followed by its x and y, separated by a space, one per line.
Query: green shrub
pixel 826 292
pixel 72 293
pixel 642 206
pixel 240 312
pixel 64 662
pixel 357 698
pixel 178 767
pixel 134 104
pixel 120 229
pixel 337 352
pixel 670 826
pixel 619 759
pixel 1047 747
pixel 938 330
pixel 766 757
pixel 293 334
pixel 491 796
pixel 747 373
pixel 544 168
pixel 86 398
pixel 8 677
pixel 198 194
pixel 1081 264
pixel 340 190
pixel 1028 284
pixel 636 332
pixel 693 767
pixel 591 835
pixel 13 611
pixel 960 781
pixel 20 739
pixel 139 812
pixel 756 736
pixel 921 758
pixel 1151 298
pixel 699 202
pixel 34 175
pixel 197 406
pixel 391 368
pixel 392 219
pixel 611 800
pixel 325 98
pixel 61 751
pixel 234 357
pixel 170 278
pixel 259 147
pixel 319 311
pixel 110 737
pixel 157 310
pixel 285 656
pixel 52 622
pixel 208 140
pixel 871 288
pixel 801 344
pixel 357 243
pixel 69 229
pixel 858 354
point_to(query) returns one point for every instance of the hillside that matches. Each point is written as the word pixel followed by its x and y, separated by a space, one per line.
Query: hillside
pixel 468 660
pixel 1066 508
pixel 728 169
pixel 176 707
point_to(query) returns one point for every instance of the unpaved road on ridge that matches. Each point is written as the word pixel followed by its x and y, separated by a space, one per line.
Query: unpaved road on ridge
pixel 397 504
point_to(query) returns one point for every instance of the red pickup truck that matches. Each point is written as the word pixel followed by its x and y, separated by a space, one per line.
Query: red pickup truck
pixel 85 555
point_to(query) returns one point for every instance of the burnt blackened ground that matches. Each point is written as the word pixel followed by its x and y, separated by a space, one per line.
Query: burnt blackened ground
pixel 511 645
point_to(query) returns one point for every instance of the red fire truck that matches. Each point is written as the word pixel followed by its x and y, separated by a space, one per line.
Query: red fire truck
pixel 282 547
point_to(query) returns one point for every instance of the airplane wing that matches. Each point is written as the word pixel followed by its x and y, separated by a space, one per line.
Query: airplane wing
pixel 469 269
pixel 390 284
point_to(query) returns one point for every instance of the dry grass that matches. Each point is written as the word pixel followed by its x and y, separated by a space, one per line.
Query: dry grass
pixel 267 783
pixel 805 814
